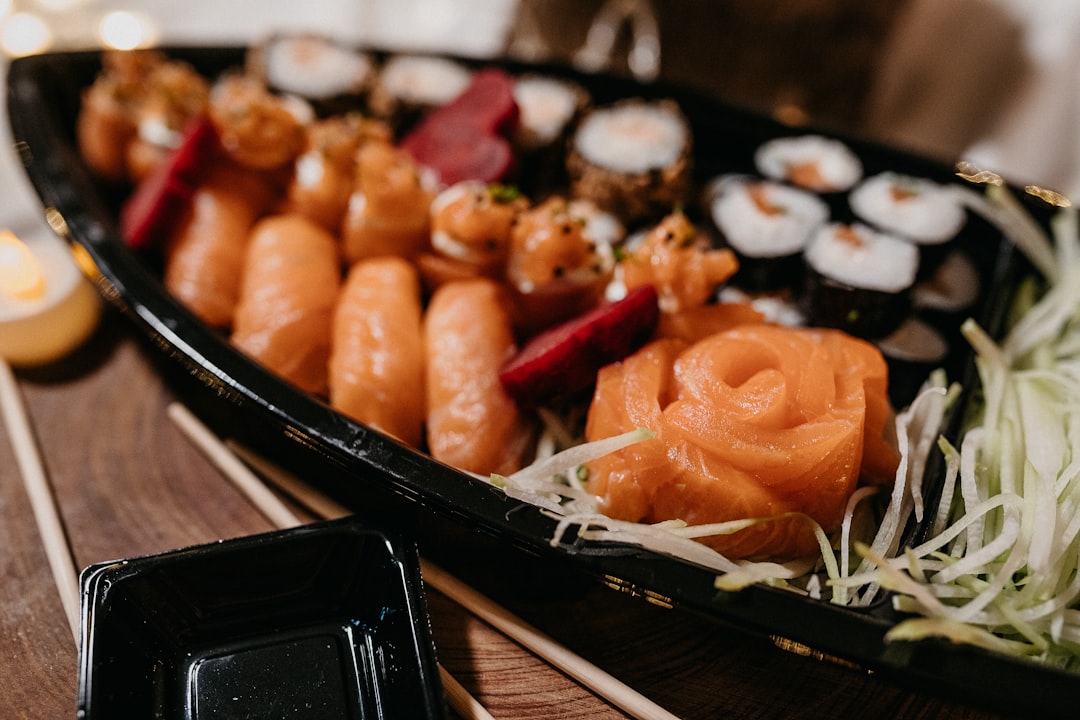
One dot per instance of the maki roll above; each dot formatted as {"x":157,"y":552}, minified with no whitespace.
{"x":332,"y":77}
{"x":858,"y":279}
{"x":767,"y":224}
{"x":632,"y":158}
{"x":812,"y":162}
{"x":407,"y":87}
{"x":549,"y":106}
{"x":952,"y":287}
{"x":548,"y":109}
{"x":916,"y":209}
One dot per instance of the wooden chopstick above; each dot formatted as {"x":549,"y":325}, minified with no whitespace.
{"x":42,"y":499}
{"x":274,"y":510}
{"x":588,"y":674}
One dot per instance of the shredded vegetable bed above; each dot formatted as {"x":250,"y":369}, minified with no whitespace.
{"x":553,"y":484}
{"x":1000,"y":569}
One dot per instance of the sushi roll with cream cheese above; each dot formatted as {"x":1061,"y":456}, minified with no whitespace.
{"x":632,"y":158}
{"x":332,"y":77}
{"x":812,"y":162}
{"x":767,"y":224}
{"x":858,"y":279}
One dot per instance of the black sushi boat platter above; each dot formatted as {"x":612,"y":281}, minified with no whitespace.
{"x":460,"y":520}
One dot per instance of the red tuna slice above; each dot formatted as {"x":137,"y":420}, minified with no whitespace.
{"x":565,"y":359}
{"x":460,"y":152}
{"x":487,"y":104}
{"x":160,"y":197}
{"x":465,"y":138}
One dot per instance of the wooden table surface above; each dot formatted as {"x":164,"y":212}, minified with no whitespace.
{"x":129,"y":483}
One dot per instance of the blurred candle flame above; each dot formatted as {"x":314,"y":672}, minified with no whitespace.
{"x":20,"y":273}
{"x":124,"y":30}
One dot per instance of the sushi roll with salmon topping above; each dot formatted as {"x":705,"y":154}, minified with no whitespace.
{"x":859,"y":280}
{"x":388,"y":210}
{"x":679,"y":261}
{"x":322,"y":176}
{"x":407,"y":87}
{"x":332,"y":77}
{"x":632,"y":158}
{"x":812,"y":162}
{"x":767,"y":224}
{"x":560,"y":262}
{"x":471,"y":224}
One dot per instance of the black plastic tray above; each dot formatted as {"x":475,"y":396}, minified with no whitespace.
{"x":326,"y":620}
{"x":355,"y":464}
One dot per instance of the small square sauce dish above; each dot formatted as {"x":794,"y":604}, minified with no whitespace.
{"x":322,"y":621}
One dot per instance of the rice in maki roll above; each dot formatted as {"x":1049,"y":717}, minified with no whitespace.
{"x":407,"y":87}
{"x":858,"y":279}
{"x":548,"y":109}
{"x":812,"y":162}
{"x":332,"y":77}
{"x":917,"y":209}
{"x":767,"y":224}
{"x":632,"y":158}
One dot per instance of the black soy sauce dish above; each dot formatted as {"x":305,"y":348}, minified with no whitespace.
{"x":323,"y":621}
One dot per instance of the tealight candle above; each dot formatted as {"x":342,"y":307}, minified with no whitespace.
{"x":47,"y":306}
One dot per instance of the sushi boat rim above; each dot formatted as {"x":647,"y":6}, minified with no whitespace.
{"x":240,"y":395}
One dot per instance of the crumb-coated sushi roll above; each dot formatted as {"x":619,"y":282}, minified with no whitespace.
{"x":858,"y":279}
{"x":333,"y":77}
{"x":767,"y":224}
{"x":408,"y":86}
{"x":812,"y":162}
{"x":633,"y":158}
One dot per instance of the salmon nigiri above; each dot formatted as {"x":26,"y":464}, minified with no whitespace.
{"x":376,"y":358}
{"x":472,"y":423}
{"x":289,"y":287}
{"x":204,"y":254}
{"x":753,"y":422}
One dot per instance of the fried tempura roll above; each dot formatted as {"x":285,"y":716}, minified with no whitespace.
{"x":205,"y":254}
{"x":377,"y":354}
{"x":472,"y":423}
{"x":290,"y":283}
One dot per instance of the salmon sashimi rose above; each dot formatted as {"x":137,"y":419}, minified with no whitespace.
{"x":753,"y":422}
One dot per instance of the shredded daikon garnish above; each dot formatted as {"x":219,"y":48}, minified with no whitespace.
{"x":552,"y":483}
{"x":1002,"y":569}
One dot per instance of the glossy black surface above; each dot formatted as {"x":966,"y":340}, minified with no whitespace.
{"x":466,"y":525}
{"x":327,"y":620}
